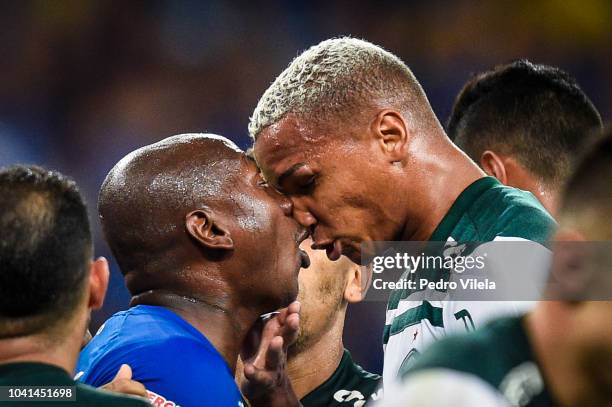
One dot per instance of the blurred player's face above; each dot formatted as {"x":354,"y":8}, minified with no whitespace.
{"x":322,"y":288}
{"x":339,"y":183}
{"x":266,"y":240}
{"x":592,"y":339}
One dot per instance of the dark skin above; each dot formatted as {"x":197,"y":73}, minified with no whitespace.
{"x":376,"y":178}
{"x":207,"y":264}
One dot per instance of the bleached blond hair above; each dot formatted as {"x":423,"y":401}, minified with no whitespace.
{"x":340,"y":76}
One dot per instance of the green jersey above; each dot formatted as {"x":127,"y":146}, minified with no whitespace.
{"x":494,"y":365}
{"x":485,"y":212}
{"x":43,"y":375}
{"x":349,"y":386}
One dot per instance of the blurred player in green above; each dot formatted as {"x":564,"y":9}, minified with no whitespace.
{"x":48,"y":287}
{"x":321,"y":370}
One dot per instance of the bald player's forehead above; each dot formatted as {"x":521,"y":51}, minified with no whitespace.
{"x":180,"y":152}
{"x":211,"y":141}
{"x":200,"y":148}
{"x":185,"y":169}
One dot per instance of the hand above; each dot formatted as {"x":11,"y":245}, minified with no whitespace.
{"x":264,"y":355}
{"x":123,"y":383}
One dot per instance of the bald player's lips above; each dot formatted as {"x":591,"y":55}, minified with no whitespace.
{"x":304,"y":259}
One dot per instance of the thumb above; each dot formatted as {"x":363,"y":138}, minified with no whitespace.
{"x":125,"y":372}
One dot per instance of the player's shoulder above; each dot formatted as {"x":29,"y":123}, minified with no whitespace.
{"x":363,"y":378}
{"x":144,"y":337}
{"x":146,"y":324}
{"x":488,"y":352}
{"x":349,"y":384}
{"x":511,"y":212}
{"x":152,"y":336}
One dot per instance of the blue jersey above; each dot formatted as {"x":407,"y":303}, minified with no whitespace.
{"x":175,"y":362}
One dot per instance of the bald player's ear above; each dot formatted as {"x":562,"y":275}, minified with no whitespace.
{"x":208,"y":231}
{"x":357,"y":283}
{"x":98,"y":282}
{"x":494,"y":165}
{"x":391,"y":132}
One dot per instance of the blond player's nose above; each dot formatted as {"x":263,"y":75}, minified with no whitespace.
{"x":304,"y":217}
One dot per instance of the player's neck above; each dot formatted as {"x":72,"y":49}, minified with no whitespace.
{"x":40,"y":348}
{"x":448,"y":172}
{"x":548,"y":340}
{"x":224,"y":326}
{"x":315,"y":364}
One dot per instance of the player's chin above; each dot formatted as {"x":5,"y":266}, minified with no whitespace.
{"x":290,"y":295}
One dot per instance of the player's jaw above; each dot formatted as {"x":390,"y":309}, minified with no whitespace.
{"x":289,"y":259}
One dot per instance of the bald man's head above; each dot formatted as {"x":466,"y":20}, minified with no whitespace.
{"x":195,"y":200}
{"x":144,"y":198}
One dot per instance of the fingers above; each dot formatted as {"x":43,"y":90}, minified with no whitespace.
{"x":259,"y":378}
{"x":265,"y":373}
{"x":290,"y":328}
{"x":124,"y":372}
{"x":252,"y":341}
{"x":275,"y":354}
{"x":123,"y":383}
{"x":293,"y":308}
{"x":270,"y":385}
{"x":284,"y":325}
{"x":292,"y":322}
{"x":102,"y":260}
{"x":129,"y":387}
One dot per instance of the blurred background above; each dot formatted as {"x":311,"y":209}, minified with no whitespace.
{"x":82,"y":82}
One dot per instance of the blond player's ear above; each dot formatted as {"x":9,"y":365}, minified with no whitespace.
{"x":98,"y":282}
{"x":391,"y":132}
{"x":357,"y":284}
